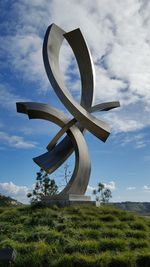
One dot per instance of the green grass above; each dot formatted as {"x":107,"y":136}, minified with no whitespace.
{"x":75,"y":236}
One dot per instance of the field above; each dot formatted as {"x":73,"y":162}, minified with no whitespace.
{"x":75,"y":236}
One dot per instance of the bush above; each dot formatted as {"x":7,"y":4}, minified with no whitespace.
{"x":122,"y":260}
{"x":109,"y":233}
{"x":136,"y":234}
{"x":143,"y":259}
{"x":107,"y":218}
{"x":10,"y":215}
{"x":78,"y":260}
{"x":20,"y":236}
{"x":118,"y":225}
{"x":81,"y":233}
{"x":139,"y":225}
{"x":63,"y":260}
{"x":115,"y":244}
{"x":137,"y":244}
{"x":25,"y":260}
{"x":126,"y":217}
{"x":85,"y":246}
{"x":95,"y":224}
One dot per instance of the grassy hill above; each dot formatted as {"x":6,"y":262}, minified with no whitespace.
{"x":142,"y":208}
{"x":8,"y":201}
{"x":75,"y":236}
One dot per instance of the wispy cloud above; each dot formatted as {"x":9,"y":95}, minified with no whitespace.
{"x":138,"y":140}
{"x":15,"y":191}
{"x":15,"y":141}
{"x":130,"y":188}
{"x":146,"y":188}
{"x":8,"y":99}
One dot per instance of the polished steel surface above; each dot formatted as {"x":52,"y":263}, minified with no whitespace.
{"x":74,"y":141}
{"x":60,"y":134}
{"x":53,"y":159}
{"x":51,"y":47}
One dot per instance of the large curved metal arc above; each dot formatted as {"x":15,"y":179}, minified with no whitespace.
{"x":53,"y":142}
{"x":42,"y":111}
{"x":51,"y":47}
{"x":80,"y":179}
{"x":76,"y":185}
{"x":104,"y":106}
{"x":48,"y":161}
{"x":85,"y":64}
{"x":52,"y":160}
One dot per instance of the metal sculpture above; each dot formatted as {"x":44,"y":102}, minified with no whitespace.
{"x":74,"y":141}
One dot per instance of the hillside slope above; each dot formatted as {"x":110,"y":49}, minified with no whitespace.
{"x":75,"y":236}
{"x":8,"y":201}
{"x":142,"y":208}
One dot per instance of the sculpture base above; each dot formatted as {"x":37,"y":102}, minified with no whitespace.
{"x":67,"y":200}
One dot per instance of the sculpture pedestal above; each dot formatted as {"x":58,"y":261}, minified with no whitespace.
{"x":67,"y":200}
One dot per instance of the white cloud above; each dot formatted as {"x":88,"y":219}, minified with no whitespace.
{"x":121,"y":122}
{"x":146,"y":188}
{"x":138,"y":140}
{"x":110,"y":185}
{"x":17,"y":192}
{"x":15,"y":141}
{"x":130,"y":188}
{"x":118,"y":35}
{"x":25,"y":56}
{"x":8,"y":99}
{"x":90,"y":190}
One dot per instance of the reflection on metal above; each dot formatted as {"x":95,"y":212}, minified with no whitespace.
{"x":74,"y":141}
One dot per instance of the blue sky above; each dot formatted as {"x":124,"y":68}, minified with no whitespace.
{"x":117,"y":33}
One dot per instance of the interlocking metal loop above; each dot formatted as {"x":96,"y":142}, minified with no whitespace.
{"x":74,"y":141}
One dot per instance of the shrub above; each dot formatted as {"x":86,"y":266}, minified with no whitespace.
{"x":139,"y":225}
{"x":85,"y":246}
{"x":136,"y":234}
{"x":82,"y":233}
{"x":114,"y":244}
{"x":126,"y":217}
{"x":63,"y":260}
{"x":85,"y":261}
{"x":143,"y":259}
{"x":108,"y":218}
{"x":95,"y":224}
{"x":10,"y":215}
{"x":26,"y":260}
{"x":109,"y":233}
{"x":122,"y":260}
{"x":118,"y":225}
{"x":78,"y":260}
{"x":20,"y":236}
{"x":136,"y":244}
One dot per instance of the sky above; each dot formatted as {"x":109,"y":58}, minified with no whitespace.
{"x":117,"y":33}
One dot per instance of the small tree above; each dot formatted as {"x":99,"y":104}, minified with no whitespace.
{"x":102,"y":194}
{"x":65,"y":174}
{"x":44,"y":187}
